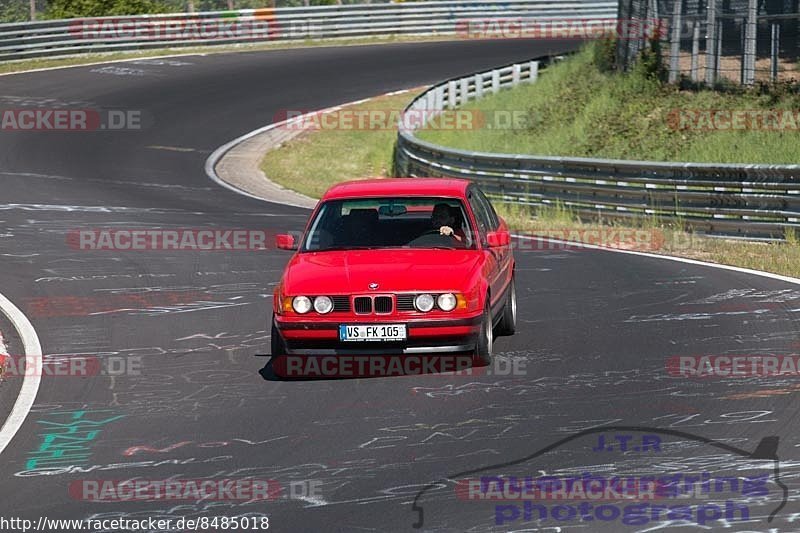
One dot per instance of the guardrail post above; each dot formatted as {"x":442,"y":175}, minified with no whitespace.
{"x":495,"y":81}
{"x":533,"y":74}
{"x":516,"y":69}
{"x":463,"y":96}
{"x":452,"y":100}
{"x":479,"y":86}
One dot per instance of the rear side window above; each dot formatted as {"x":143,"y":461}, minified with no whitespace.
{"x":494,"y":220}
{"x":481,"y":215}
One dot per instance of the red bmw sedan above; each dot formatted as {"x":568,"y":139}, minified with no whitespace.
{"x":397,"y":266}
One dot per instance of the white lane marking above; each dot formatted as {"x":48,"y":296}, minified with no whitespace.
{"x":316,"y":501}
{"x":172,"y":148}
{"x":31,"y":381}
{"x":742,"y":270}
{"x":130,"y":59}
{"x":218,"y":154}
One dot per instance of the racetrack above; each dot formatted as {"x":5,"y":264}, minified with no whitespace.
{"x":595,"y":327}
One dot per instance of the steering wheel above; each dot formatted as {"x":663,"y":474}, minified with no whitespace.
{"x":434,"y":238}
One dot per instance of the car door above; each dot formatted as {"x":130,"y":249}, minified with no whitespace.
{"x":505,"y":253}
{"x":492,"y":256}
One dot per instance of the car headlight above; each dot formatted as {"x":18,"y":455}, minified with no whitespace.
{"x":423,"y":302}
{"x":446,"y":301}
{"x":301,"y":304}
{"x":323,"y":304}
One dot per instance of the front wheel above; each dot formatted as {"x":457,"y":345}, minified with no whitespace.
{"x":508,"y":322}
{"x":483,"y":348}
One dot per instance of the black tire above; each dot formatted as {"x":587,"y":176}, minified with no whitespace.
{"x":508,"y":322}
{"x":278,"y":348}
{"x":483,"y":347}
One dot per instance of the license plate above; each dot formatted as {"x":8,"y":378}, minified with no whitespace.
{"x":379,"y":332}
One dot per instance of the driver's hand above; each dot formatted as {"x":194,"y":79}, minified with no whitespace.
{"x":445,"y":230}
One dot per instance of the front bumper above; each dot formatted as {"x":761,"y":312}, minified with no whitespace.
{"x":424,"y":336}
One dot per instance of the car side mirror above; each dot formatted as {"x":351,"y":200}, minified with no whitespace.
{"x":285,"y":242}
{"x":496,"y":239}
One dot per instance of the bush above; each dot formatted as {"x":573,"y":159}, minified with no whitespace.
{"x":604,"y":53}
{"x":60,"y":9}
{"x":14,"y":11}
{"x":651,"y":62}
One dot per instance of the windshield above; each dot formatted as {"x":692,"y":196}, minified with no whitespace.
{"x":389,"y":223}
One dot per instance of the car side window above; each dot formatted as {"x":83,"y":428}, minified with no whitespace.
{"x":494,"y":220}
{"x":481,"y":216}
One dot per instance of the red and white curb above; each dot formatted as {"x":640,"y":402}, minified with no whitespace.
{"x":3,"y":355}
{"x":219,"y":153}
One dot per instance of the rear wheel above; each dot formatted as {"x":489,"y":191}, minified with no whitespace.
{"x":483,"y":348}
{"x":508,"y":323}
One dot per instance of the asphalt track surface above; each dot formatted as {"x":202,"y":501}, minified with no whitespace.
{"x":595,"y":327}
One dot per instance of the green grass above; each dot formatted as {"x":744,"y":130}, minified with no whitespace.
{"x":574,"y":109}
{"x":315,"y":160}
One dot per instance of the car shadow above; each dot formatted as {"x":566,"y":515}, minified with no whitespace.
{"x":276,"y":370}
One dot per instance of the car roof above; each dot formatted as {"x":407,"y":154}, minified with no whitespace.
{"x":448,"y":187}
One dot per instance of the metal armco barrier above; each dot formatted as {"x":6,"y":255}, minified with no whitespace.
{"x":746,"y":200}
{"x":110,"y":34}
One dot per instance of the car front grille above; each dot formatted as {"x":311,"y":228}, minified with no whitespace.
{"x":363,"y":305}
{"x":405,"y":302}
{"x":341,"y":304}
{"x":383,"y":304}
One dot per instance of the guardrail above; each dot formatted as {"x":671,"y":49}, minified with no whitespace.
{"x":746,"y":200}
{"x":110,"y":34}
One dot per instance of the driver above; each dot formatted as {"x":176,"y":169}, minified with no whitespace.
{"x":443,"y":220}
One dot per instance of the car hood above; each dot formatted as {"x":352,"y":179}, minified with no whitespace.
{"x":348,"y":272}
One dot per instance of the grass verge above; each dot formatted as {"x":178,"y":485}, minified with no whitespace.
{"x":577,"y":109}
{"x":316,"y":160}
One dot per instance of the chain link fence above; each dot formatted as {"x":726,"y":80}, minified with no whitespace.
{"x":708,"y":41}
